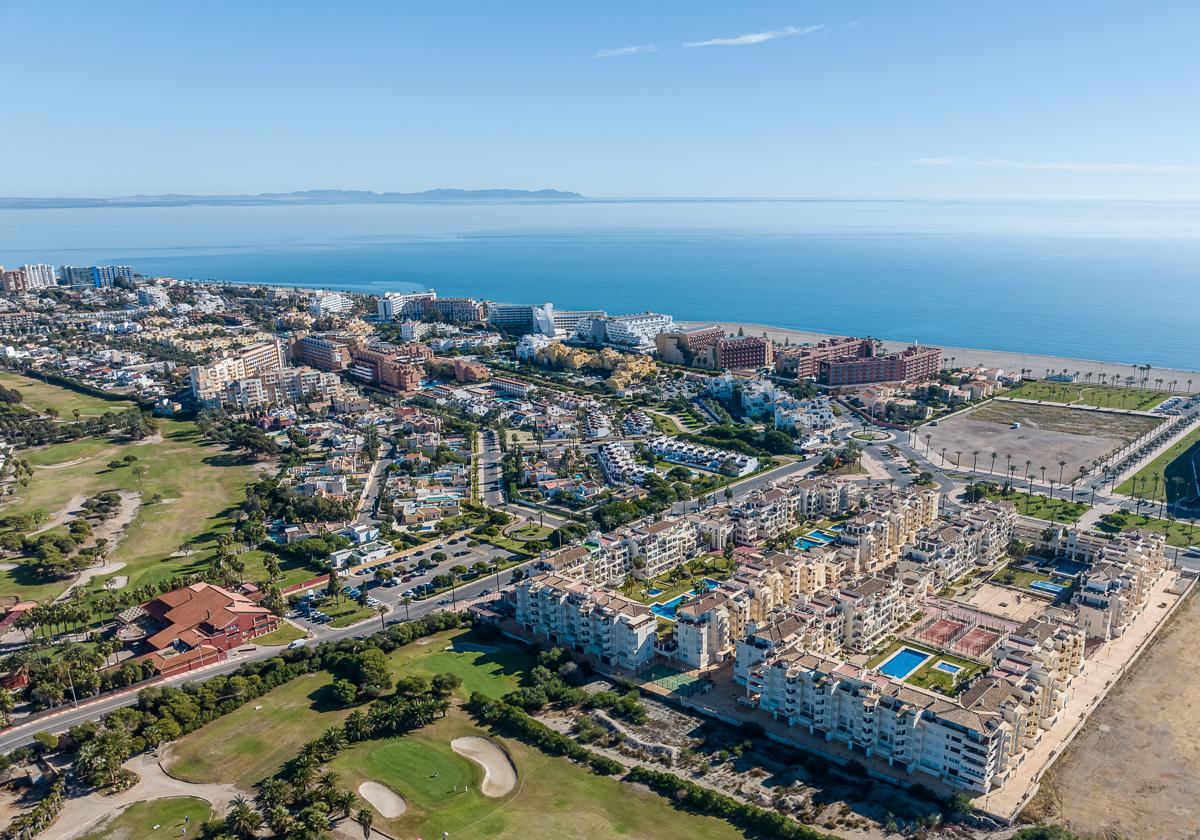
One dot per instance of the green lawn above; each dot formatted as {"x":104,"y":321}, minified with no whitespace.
{"x":39,"y":396}
{"x":1021,"y":578}
{"x":1102,"y":396}
{"x":1174,"y":463}
{"x":1180,"y":533}
{"x":1058,"y":509}
{"x":200,"y":485}
{"x":927,"y":676}
{"x":139,"y":820}
{"x":246,"y":745}
{"x":284,"y":634}
{"x":554,"y":798}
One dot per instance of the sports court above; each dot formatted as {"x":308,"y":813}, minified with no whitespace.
{"x":675,"y":681}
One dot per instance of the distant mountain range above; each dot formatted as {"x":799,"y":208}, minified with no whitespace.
{"x":301,"y":197}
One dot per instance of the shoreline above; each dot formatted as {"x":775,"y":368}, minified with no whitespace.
{"x":1005,"y":359}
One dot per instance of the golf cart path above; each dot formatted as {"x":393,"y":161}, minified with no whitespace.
{"x":84,"y":812}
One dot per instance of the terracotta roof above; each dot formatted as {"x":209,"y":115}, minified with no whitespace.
{"x":185,"y":613}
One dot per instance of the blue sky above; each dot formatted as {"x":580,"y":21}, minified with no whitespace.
{"x":928,"y":99}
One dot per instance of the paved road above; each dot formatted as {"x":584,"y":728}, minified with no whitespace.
{"x":23,"y":734}
{"x":366,"y":505}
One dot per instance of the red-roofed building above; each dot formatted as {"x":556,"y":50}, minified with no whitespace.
{"x":206,"y":615}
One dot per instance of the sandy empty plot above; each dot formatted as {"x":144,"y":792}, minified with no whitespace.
{"x":1132,"y":771}
{"x":1048,"y":434}
{"x":383,"y":799}
{"x":499,"y":775}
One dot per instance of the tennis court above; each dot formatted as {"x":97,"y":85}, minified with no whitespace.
{"x":672,"y":680}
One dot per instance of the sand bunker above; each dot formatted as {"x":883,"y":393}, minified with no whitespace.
{"x":383,"y":799}
{"x":499,"y":775}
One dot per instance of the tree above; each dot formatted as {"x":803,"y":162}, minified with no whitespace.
{"x":344,"y":691}
{"x":243,"y":820}
{"x":365,"y":818}
{"x":370,"y":672}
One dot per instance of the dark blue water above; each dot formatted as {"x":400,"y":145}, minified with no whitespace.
{"x":1117,"y":282}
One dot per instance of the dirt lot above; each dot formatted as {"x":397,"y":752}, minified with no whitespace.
{"x":1047,"y":435}
{"x":1132,"y":772}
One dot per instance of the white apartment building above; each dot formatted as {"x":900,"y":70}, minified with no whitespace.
{"x":154,"y":297}
{"x":657,"y":547}
{"x":330,"y":303}
{"x":281,"y":387}
{"x":39,"y":276}
{"x":637,"y":330}
{"x":704,"y":457}
{"x":707,"y":627}
{"x":566,"y":611}
{"x":393,"y":305}
{"x":619,"y":466}
{"x":963,"y":746}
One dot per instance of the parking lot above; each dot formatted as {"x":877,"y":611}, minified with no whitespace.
{"x":408,"y":579}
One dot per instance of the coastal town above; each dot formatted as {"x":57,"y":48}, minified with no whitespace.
{"x":815,"y":586}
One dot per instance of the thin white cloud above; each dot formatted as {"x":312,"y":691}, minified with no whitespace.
{"x":756,"y":37}
{"x":1065,"y":165}
{"x":617,"y":52}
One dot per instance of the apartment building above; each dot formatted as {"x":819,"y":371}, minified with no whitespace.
{"x":913,"y":364}
{"x":964,"y":746}
{"x":634,"y":331}
{"x":208,"y":381}
{"x":760,"y":515}
{"x":154,"y":297}
{"x":804,"y":361}
{"x":871,"y":608}
{"x":287,"y":386}
{"x":815,"y":415}
{"x":105,"y":276}
{"x":394,"y":305}
{"x":708,"y":458}
{"x":386,"y":366}
{"x":330,"y":303}
{"x":619,"y":465}
{"x":567,"y":611}
{"x":467,"y":371}
{"x":688,"y":346}
{"x":706,"y":628}
{"x":979,"y":536}
{"x":322,"y":353}
{"x":521,"y":318}
{"x":657,"y":547}
{"x":746,"y":352}
{"x":1110,"y":596}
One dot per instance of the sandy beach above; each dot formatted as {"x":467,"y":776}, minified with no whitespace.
{"x":962,"y":356}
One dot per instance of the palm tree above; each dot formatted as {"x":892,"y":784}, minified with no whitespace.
{"x":974,"y":459}
{"x":242,"y":819}
{"x":1061,"y":466}
{"x":995,"y":455}
{"x":365,"y":818}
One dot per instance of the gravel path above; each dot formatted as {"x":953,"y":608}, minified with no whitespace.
{"x":82,"y":813}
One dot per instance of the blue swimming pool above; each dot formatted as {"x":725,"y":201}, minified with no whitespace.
{"x":948,"y":667}
{"x":902,"y":663}
{"x":1046,"y":586}
{"x":804,"y":543}
{"x":654,"y":593}
{"x":666,"y":609}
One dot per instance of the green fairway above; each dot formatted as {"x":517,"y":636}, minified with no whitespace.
{"x":1076,"y":393}
{"x":40,"y":396}
{"x":139,"y":820}
{"x":200,"y":485}
{"x":554,"y":798}
{"x":1174,"y":470}
{"x":248,"y":745}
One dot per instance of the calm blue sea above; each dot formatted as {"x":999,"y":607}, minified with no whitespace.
{"x":1111,"y":281}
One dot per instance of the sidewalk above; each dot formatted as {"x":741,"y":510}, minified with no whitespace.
{"x":1103,"y":669}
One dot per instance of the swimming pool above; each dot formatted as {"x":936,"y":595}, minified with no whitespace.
{"x":804,"y":543}
{"x":666,"y":609}
{"x":948,"y":667}
{"x":654,"y":593}
{"x":1047,"y":586}
{"x":903,"y":662}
